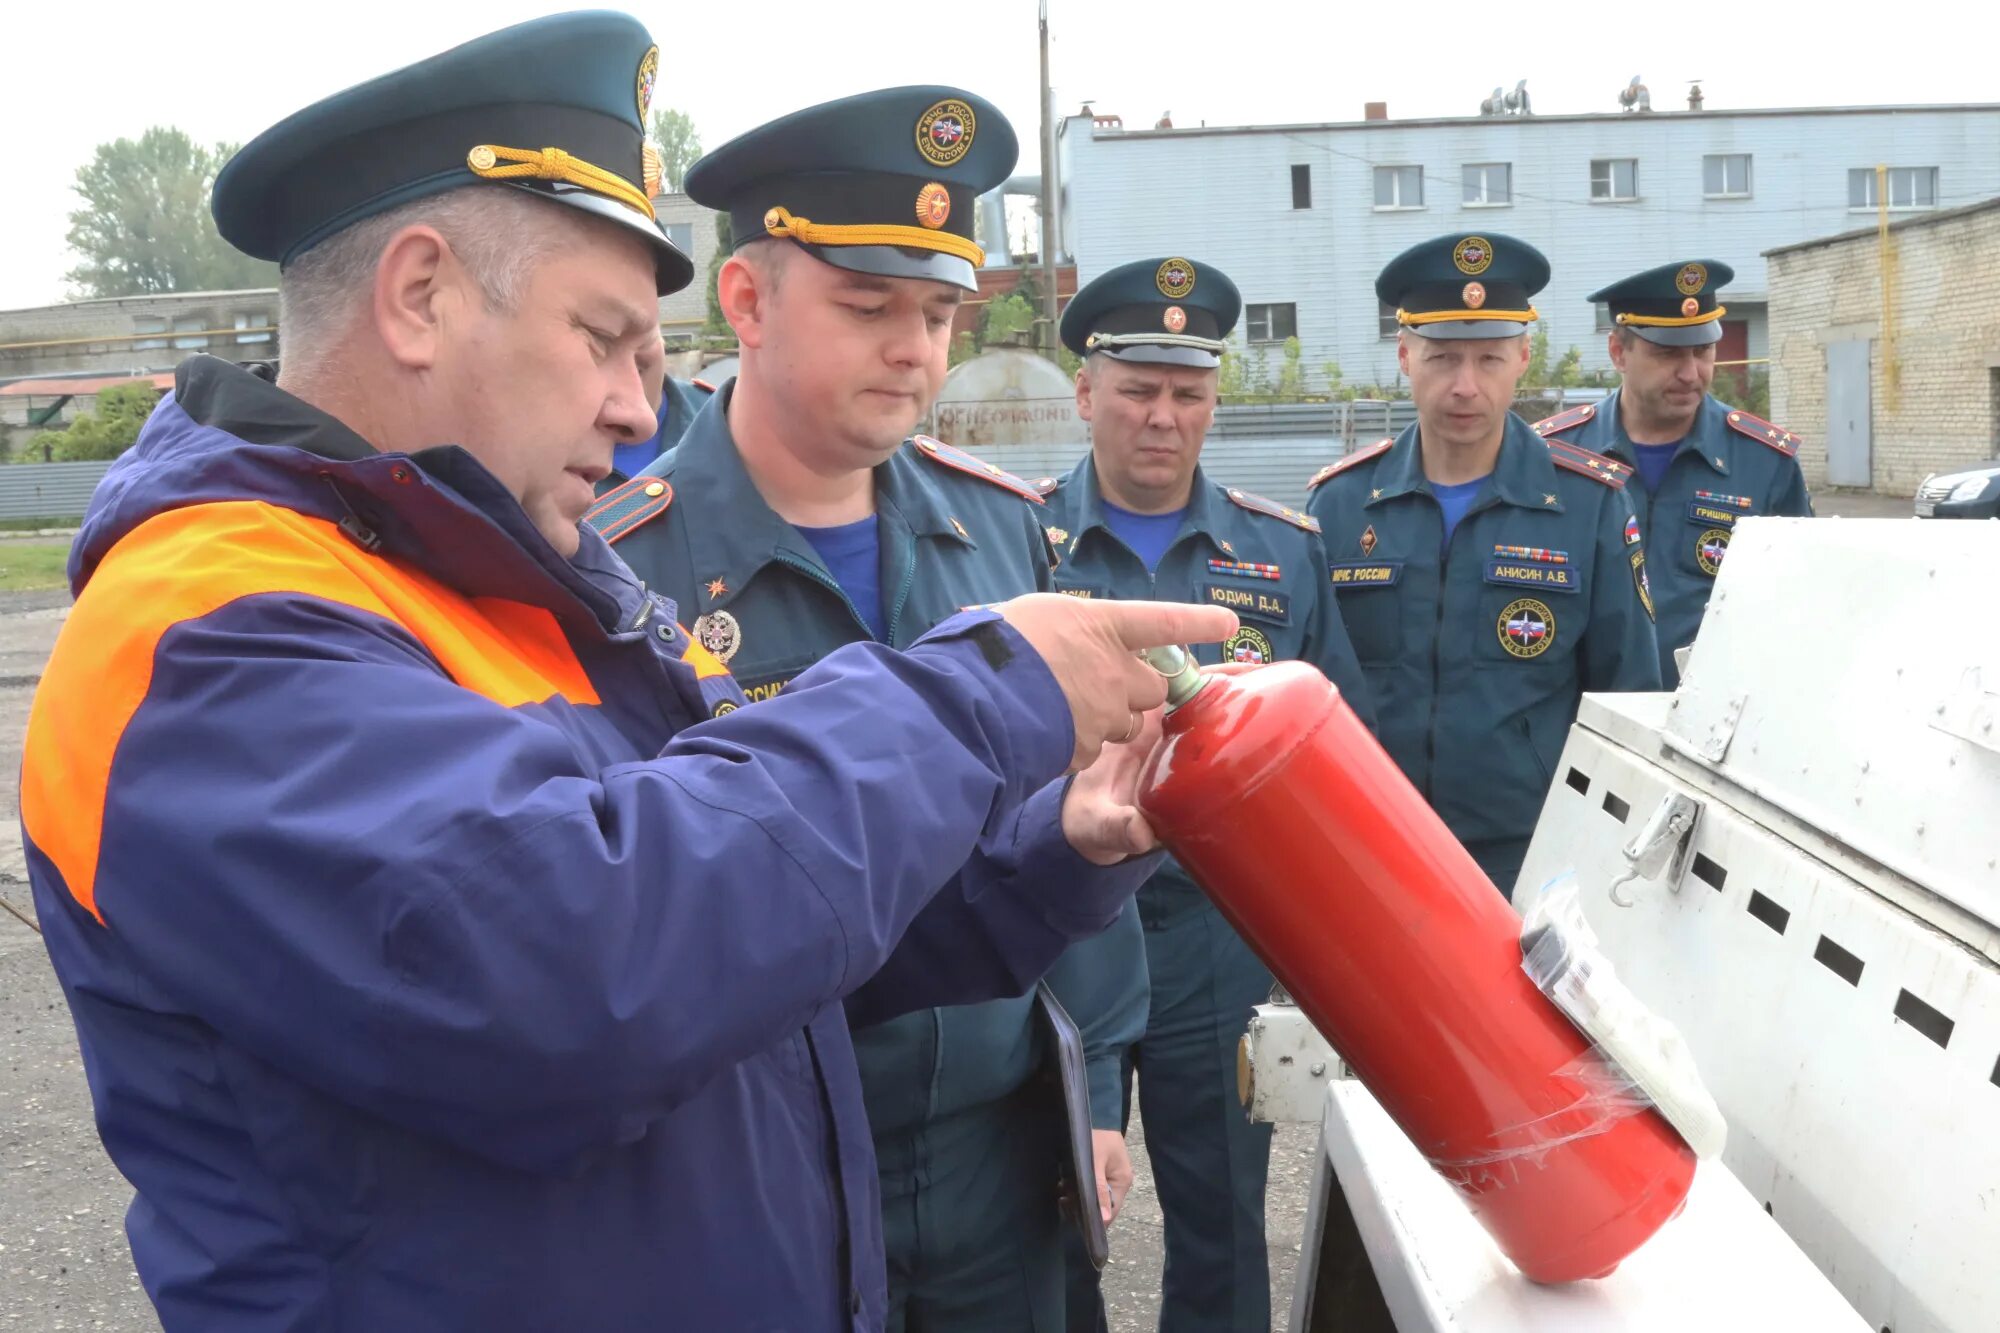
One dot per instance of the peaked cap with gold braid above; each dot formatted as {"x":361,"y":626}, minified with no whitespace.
{"x":556,"y":107}
{"x":885,"y":182}
{"x":1674,"y":305}
{"x":1465,"y":285}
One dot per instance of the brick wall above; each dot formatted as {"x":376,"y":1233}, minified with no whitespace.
{"x":1941,"y":413}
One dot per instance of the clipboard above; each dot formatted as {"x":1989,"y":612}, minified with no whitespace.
{"x":1068,"y":1083}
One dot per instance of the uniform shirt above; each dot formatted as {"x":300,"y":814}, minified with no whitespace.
{"x":679,"y":401}
{"x":951,"y":533}
{"x":1477,"y":649}
{"x":1729,"y":467}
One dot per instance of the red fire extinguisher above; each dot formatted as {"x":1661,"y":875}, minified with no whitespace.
{"x":1331,"y":866}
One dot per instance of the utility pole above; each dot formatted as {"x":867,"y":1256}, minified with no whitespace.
{"x":1051,"y":307}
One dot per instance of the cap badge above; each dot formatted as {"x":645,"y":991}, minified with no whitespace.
{"x":649,"y":73}
{"x":944,"y":132}
{"x":1690,"y":307}
{"x":1175,"y":279}
{"x":652,"y":169}
{"x":1475,"y":295}
{"x":1691,"y":279}
{"x":1472,"y":255}
{"x":1175,"y":319}
{"x":933,"y":205}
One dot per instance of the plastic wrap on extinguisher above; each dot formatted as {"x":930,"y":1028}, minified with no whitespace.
{"x":1309,"y":839}
{"x":1637,"y":1059}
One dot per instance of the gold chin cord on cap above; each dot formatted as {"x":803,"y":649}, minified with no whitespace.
{"x":553,"y":164}
{"x":1674,"y":321}
{"x":780,"y":222}
{"x":1528,"y":316}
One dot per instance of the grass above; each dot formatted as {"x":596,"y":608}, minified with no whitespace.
{"x":29,"y":566}
{"x":35,"y":524}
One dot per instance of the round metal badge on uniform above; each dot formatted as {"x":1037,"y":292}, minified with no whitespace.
{"x":718,"y":632}
{"x":1247,"y":644}
{"x":1175,"y":279}
{"x":1174,"y":319}
{"x":1474,"y":295}
{"x":1709,"y":548}
{"x":944,"y":132}
{"x":1473,"y":255}
{"x":1690,"y":308}
{"x":933,"y":205}
{"x":1527,"y":628}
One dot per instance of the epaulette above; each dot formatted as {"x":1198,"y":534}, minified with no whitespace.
{"x":702,"y":384}
{"x":1340,"y":465}
{"x":1046,"y":486}
{"x":1257,"y":504}
{"x":621,"y":510}
{"x":1575,"y":458}
{"x":957,"y":459}
{"x":1762,"y":431}
{"x":1562,"y":421}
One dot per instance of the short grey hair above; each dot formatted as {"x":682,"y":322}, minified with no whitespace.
{"x":498,"y":234}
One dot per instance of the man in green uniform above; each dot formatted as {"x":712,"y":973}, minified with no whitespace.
{"x":1701,"y":463}
{"x":1488,"y":577}
{"x":1137,"y":518}
{"x":795,"y":516}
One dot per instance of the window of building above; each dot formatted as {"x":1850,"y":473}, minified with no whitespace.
{"x":148,"y":324}
{"x":252,"y":327}
{"x":1302,"y":186}
{"x":682,"y":235}
{"x":188,"y":331}
{"x":1909,"y":187}
{"x":1604,"y":322}
{"x":1614,"y":178}
{"x":1725,"y":176}
{"x":1271,"y":323}
{"x":1399,"y":187}
{"x":1386,"y":323}
{"x":1488,"y":184}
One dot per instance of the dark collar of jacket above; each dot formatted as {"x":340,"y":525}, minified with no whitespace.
{"x":1202,"y":516}
{"x":1708,"y":439}
{"x":462,"y":526}
{"x":726,"y":518}
{"x":1522,"y":475}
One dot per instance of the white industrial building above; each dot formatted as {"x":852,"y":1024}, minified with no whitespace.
{"x":1304,"y":216}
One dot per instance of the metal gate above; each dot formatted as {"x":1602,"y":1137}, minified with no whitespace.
{"x":1847,"y":414}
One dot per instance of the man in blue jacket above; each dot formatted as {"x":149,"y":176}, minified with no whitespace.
{"x":445,"y":949}
{"x":797,"y":516}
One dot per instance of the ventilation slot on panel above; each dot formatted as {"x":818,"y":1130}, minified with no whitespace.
{"x":1767,"y":911}
{"x":1708,"y":872}
{"x":1615,"y":807}
{"x":1579,"y":780}
{"x":1923,"y":1018}
{"x":1838,"y":961}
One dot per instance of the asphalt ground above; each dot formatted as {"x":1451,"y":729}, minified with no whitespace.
{"x":63,"y":1258}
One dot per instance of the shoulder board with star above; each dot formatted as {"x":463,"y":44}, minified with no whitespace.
{"x":621,"y":511}
{"x":1563,"y":421}
{"x":1257,"y":504}
{"x":1341,"y":465}
{"x":951,"y":456}
{"x":1575,"y":458}
{"x":1762,"y":431}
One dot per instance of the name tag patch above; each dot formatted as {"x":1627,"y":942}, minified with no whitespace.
{"x":1531,"y":567}
{"x":1080,"y":592}
{"x":1712,"y":509}
{"x":1361,"y":574}
{"x":768,"y":689}
{"x":1272,"y":606}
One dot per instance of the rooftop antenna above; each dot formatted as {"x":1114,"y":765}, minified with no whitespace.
{"x":1495,"y":105}
{"x":1634,"y":96}
{"x":1517,"y":101}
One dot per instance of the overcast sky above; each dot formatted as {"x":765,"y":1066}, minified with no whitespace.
{"x":78,"y":74}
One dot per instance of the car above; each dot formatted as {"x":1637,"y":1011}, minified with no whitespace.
{"x":1972,"y":492}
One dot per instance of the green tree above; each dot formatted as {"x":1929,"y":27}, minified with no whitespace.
{"x":715,"y":329}
{"x":963,"y":348}
{"x":105,"y":433}
{"x":1537,"y":374}
{"x":1291,"y":385}
{"x":145,"y":224}
{"x":1006,"y":318}
{"x":1569,"y":370}
{"x":680,"y":145}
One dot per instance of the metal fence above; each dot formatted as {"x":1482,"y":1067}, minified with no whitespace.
{"x":48,"y":490}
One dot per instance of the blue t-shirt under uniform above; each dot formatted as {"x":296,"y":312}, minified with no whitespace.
{"x":1653,"y":460}
{"x":1455,"y":500}
{"x":852,"y":553}
{"x":1149,"y":535}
